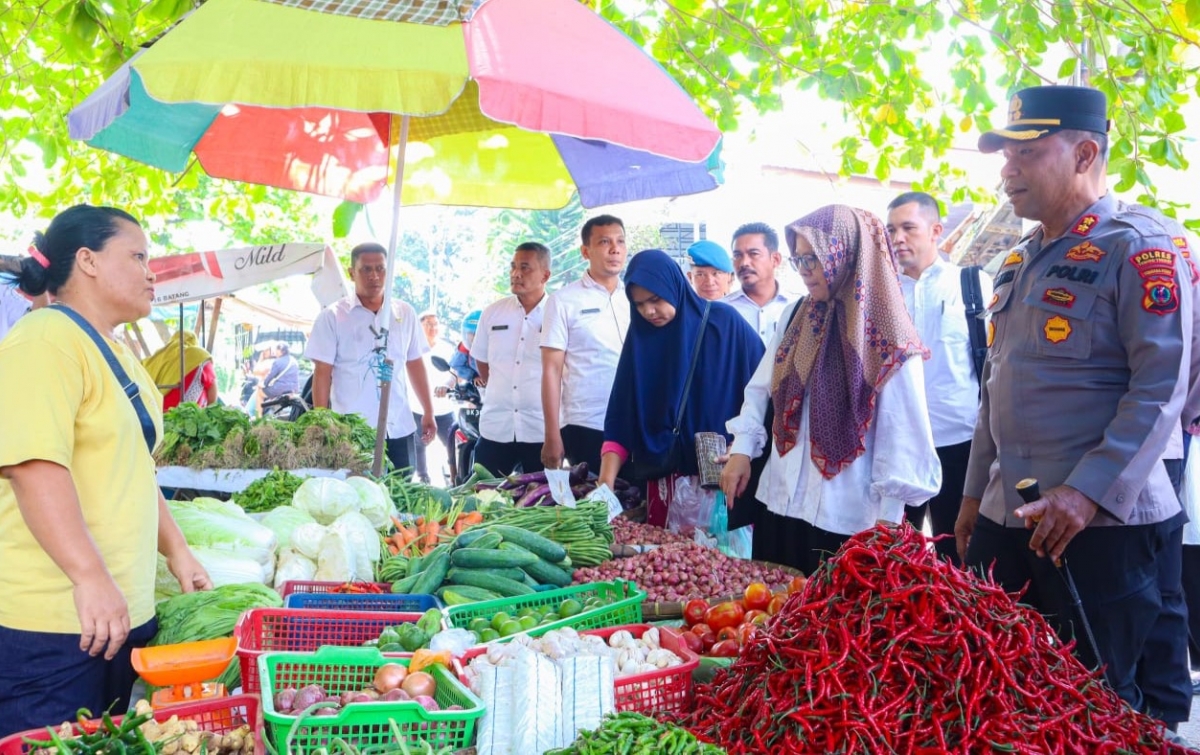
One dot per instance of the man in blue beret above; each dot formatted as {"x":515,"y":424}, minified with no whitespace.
{"x":1083,"y":389}
{"x":711,"y":272}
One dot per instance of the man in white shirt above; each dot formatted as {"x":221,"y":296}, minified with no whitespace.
{"x":933,"y":296}
{"x":507,"y":349}
{"x":756,"y":257}
{"x":342,"y":344}
{"x":443,"y":405}
{"x":582,"y":335}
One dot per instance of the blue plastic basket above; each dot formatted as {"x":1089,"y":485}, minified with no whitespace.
{"x":388,"y":602}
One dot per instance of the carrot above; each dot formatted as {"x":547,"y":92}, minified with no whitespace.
{"x":392,"y":549}
{"x":431,"y":534}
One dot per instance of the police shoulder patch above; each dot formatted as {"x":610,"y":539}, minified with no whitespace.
{"x":1182,"y":245}
{"x":1160,"y":290}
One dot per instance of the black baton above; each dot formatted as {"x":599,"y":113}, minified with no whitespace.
{"x":1029,"y":491}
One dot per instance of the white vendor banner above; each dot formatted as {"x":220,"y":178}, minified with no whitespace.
{"x":203,"y":275}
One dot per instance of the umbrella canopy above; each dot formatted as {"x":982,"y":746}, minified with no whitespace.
{"x":512,"y":103}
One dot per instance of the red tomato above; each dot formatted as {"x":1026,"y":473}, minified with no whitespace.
{"x":727,"y":633}
{"x":796,"y":585}
{"x":724,"y":649}
{"x":701,"y":629}
{"x":775,"y":604}
{"x":745,"y":634}
{"x":693,"y":642}
{"x":728,"y":614}
{"x":755,"y":617}
{"x":693,"y":612}
{"x":757,"y":596}
{"x":707,"y":640}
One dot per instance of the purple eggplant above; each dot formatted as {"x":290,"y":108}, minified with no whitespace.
{"x":529,"y":498}
{"x":619,"y":485}
{"x":579,"y":473}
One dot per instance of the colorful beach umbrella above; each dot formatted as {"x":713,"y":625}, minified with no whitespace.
{"x":496,"y":103}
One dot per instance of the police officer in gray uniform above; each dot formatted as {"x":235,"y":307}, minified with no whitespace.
{"x":1090,"y":331}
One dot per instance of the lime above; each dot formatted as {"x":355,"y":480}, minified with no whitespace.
{"x":499,"y":619}
{"x":488,"y":635}
{"x":510,"y":627}
{"x":478,"y":624}
{"x":550,"y":617}
{"x":527,"y":622}
{"x":526,"y":611}
{"x":569,"y":607}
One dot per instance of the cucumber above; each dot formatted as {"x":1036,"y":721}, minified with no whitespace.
{"x":476,"y":558}
{"x":511,"y":572}
{"x":529,"y":581}
{"x":456,"y":595}
{"x":490,"y":541}
{"x":547,"y":573}
{"x":544,"y":547}
{"x":433,"y":575}
{"x":506,"y":587}
{"x":421,"y":563}
{"x":404,"y":586}
{"x":466,"y":538}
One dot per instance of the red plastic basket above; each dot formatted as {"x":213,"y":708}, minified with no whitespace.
{"x":298,"y":630}
{"x":296,"y":586}
{"x":219,"y":715}
{"x":666,"y":690}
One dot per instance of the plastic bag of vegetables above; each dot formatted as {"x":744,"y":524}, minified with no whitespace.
{"x":362,"y":541}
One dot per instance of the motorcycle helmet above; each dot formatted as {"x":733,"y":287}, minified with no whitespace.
{"x":470,"y":325}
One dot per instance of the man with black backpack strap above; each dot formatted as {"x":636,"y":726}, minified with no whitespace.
{"x":946,"y":303}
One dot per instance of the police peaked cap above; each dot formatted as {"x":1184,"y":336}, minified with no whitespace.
{"x":1040,"y":111}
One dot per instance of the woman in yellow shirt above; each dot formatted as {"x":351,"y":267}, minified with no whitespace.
{"x":81,"y":514}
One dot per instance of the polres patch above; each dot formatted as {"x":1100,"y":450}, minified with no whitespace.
{"x":1156,"y":267}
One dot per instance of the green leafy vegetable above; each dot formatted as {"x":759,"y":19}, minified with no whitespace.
{"x":270,"y":492}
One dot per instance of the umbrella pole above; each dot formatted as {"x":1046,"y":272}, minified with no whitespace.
{"x":385,"y":315}
{"x":182,"y":362}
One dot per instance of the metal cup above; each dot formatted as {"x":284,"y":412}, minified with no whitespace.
{"x":708,"y":447}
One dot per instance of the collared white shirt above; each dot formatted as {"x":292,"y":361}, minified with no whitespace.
{"x":589,"y":324}
{"x":443,"y":405}
{"x":509,"y":341}
{"x":763,"y":319}
{"x":342,"y":337}
{"x":899,"y":467}
{"x":935,"y":303}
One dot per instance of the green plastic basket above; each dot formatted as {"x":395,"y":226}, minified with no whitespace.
{"x":340,"y":669}
{"x":623,"y":606}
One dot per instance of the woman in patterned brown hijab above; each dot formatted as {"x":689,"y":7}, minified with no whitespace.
{"x":850,"y":441}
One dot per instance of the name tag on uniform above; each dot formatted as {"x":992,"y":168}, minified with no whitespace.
{"x":592,"y":311}
{"x":499,"y":327}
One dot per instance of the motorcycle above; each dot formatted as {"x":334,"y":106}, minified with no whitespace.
{"x":465,"y":430}
{"x":287,"y":407}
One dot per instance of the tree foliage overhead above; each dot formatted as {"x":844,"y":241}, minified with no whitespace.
{"x":734,"y":56}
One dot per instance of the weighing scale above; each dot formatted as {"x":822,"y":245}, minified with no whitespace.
{"x":182,"y":672}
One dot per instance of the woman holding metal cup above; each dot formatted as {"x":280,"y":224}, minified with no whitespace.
{"x":848,"y":440}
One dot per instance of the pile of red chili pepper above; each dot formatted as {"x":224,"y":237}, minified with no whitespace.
{"x":890,"y":650}
{"x":361,"y":588}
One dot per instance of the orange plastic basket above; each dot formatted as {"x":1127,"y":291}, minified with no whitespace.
{"x":298,"y":630}
{"x":219,"y":715}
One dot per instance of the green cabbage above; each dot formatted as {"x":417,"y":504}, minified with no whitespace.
{"x":206,"y":528}
{"x":283,"y":521}
{"x":213,"y":506}
{"x":373,"y":502}
{"x":325,"y":499}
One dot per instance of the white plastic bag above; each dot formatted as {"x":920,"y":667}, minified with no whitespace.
{"x":1191,"y":496}
{"x":588,"y":693}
